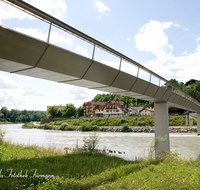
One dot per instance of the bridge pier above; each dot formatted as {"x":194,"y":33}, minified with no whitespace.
{"x":198,"y":124}
{"x":161,"y":128}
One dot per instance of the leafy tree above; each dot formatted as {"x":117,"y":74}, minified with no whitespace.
{"x":14,"y":115}
{"x":5,"y":111}
{"x":80,"y":111}
{"x":69,"y":110}
{"x":53,"y":110}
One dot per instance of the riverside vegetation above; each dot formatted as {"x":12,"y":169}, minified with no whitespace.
{"x":86,"y":169}
{"x":129,"y":124}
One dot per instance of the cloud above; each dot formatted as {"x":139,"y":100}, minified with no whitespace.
{"x":54,"y":36}
{"x":101,"y":7}
{"x":198,"y":39}
{"x":73,"y":92}
{"x":151,"y":38}
{"x":107,"y":41}
{"x":56,"y":8}
{"x":28,"y":90}
{"x":128,"y":39}
{"x":7,"y":83}
{"x":82,"y":51}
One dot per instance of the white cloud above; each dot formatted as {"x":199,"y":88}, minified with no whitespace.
{"x":73,"y":92}
{"x":28,"y":90}
{"x":128,"y":39}
{"x":7,"y":83}
{"x":185,"y":52}
{"x":56,"y":8}
{"x":198,"y":39}
{"x":27,"y":78}
{"x":151,"y":38}
{"x":108,"y":41}
{"x":101,"y":7}
{"x":54,"y":36}
{"x":82,"y":51}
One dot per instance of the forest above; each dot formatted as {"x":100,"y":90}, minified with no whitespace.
{"x":16,"y":116}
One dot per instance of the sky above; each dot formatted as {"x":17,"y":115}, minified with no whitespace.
{"x":162,"y":35}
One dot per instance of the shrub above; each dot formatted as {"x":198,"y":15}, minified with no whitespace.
{"x":124,"y":127}
{"x":140,"y":123}
{"x":46,"y":126}
{"x":2,"y":134}
{"x":88,"y":127}
{"x":91,"y":143}
{"x":63,"y":125}
{"x":69,"y":128}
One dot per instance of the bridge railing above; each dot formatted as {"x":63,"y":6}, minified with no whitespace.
{"x":31,"y":12}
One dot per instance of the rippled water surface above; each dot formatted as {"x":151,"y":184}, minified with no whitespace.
{"x":135,"y":145}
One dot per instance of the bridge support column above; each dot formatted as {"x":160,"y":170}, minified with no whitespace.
{"x":161,"y":128}
{"x":198,"y":124}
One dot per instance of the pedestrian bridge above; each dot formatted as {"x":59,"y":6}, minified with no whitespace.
{"x":25,"y":55}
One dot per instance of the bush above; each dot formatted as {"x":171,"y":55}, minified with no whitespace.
{"x":88,"y":127}
{"x":69,"y":128}
{"x":91,"y":143}
{"x":124,"y":127}
{"x":63,"y":125}
{"x":46,"y":126}
{"x":2,"y":133}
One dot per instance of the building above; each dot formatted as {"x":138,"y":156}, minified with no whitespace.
{"x":173,"y":110}
{"x":192,"y":81}
{"x":135,"y":110}
{"x":105,"y":109}
{"x":89,"y":107}
{"x":147,"y":111}
{"x":59,"y":107}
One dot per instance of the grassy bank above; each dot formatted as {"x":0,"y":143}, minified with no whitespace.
{"x":92,"y":170}
{"x":130,"y":124}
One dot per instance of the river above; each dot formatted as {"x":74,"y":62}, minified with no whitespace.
{"x":135,"y":145}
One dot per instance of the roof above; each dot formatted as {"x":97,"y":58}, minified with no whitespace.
{"x":135,"y":108}
{"x":149,"y":109}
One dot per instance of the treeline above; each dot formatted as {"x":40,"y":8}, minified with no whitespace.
{"x":17,"y":116}
{"x":127,"y":100}
{"x":68,"y":111}
{"x":192,"y":89}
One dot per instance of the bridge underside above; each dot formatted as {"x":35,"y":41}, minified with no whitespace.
{"x":28,"y":56}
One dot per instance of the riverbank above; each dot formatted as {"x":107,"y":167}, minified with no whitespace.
{"x":34,"y":167}
{"x":124,"y":128}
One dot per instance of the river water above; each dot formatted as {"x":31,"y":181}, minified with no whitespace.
{"x":135,"y":145}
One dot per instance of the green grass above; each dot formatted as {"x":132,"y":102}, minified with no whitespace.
{"x":93,"y":170}
{"x":49,"y":162}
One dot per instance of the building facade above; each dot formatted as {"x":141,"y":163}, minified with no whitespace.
{"x":105,"y":109}
{"x":147,"y":112}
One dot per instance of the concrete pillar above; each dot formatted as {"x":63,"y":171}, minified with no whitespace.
{"x":161,"y":127}
{"x":198,"y":124}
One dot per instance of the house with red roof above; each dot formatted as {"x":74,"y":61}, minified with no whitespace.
{"x":105,"y":109}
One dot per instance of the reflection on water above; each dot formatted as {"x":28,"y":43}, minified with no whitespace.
{"x":135,"y":145}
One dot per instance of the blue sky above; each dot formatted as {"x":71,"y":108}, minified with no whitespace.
{"x":164,"y":36}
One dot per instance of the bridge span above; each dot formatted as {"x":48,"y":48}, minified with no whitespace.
{"x":25,"y":55}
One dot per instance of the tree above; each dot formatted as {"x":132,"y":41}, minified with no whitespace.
{"x":14,"y":115}
{"x":53,"y":110}
{"x":69,"y":110}
{"x":5,"y":111}
{"x":80,"y":111}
